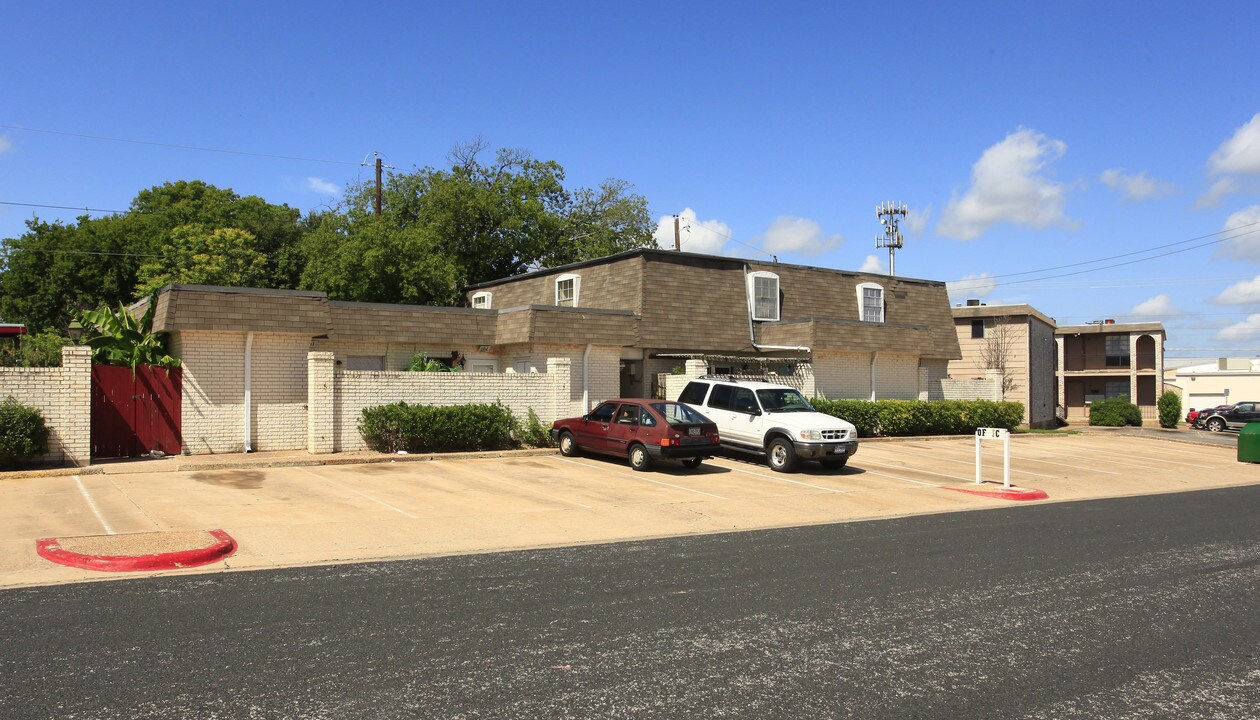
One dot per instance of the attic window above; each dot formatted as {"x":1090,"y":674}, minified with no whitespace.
{"x":567,"y":287}
{"x":870,"y":298}
{"x":763,"y":295}
{"x":481,"y":300}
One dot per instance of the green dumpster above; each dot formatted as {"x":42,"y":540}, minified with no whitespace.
{"x":1249,"y":443}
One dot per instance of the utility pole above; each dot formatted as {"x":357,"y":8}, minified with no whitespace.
{"x":677,"y":237}
{"x":889,"y":214}
{"x":376,"y":198}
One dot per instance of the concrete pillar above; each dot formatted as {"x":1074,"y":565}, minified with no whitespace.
{"x":1133,"y":368}
{"x":76,"y":404}
{"x":320,"y":402}
{"x":1060,"y":381}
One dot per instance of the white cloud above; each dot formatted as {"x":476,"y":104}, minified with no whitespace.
{"x":322,"y":186}
{"x":708,"y":237}
{"x":1239,"y":154}
{"x":1137,"y":187}
{"x":873,"y":264}
{"x":1246,"y":330}
{"x":1219,"y":190}
{"x":6,"y":145}
{"x":789,"y":234}
{"x":917,"y":221}
{"x":1242,"y":236}
{"x":1156,"y":307}
{"x":979,"y":285}
{"x":1008,"y":184}
{"x":1246,"y":292}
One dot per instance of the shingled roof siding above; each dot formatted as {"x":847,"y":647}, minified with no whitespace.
{"x":582,"y":328}
{"x":513,"y":327}
{"x":409,"y":323}
{"x":197,"y":309}
{"x":613,"y":286}
{"x":692,"y":303}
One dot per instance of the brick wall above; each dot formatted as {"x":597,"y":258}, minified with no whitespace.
{"x":63,"y":395}
{"x":842,"y":375}
{"x":352,"y":391}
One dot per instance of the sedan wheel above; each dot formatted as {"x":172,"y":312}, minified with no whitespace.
{"x":568,"y":446}
{"x":639,"y":458}
{"x":1216,"y":424}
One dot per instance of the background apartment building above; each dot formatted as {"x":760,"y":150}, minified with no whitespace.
{"x":1016,"y":341}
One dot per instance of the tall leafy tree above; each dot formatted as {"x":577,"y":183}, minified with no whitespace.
{"x":486,"y":220}
{"x":199,"y":255}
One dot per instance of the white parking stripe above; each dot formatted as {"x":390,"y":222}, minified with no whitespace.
{"x":639,"y":476}
{"x":898,"y":477}
{"x":781,"y":479}
{"x":464,"y":468}
{"x":925,"y":472}
{"x":1013,"y":460}
{"x":92,"y":504}
{"x":360,"y":493}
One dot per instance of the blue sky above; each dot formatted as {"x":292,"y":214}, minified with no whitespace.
{"x":1022,"y":138}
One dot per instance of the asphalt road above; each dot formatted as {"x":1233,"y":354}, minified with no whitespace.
{"x":1127,"y":608}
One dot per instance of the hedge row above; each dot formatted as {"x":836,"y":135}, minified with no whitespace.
{"x":1115,"y":412}
{"x":428,"y":428}
{"x":918,"y":417}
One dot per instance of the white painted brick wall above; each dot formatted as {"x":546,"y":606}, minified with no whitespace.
{"x":63,"y":395}
{"x":896,"y":377}
{"x":842,"y":375}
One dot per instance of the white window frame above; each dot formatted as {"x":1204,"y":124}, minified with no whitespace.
{"x":752,"y":295}
{"x":861,"y":300}
{"x":577,"y":287}
{"x":483,"y":295}
{"x":471,"y":364}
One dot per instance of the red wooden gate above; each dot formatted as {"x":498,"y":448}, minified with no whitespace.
{"x":135,"y":414}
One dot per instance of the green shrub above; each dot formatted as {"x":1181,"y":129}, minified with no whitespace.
{"x":23,"y":433}
{"x":37,"y":350}
{"x":1115,"y":412}
{"x":533,"y":433}
{"x":1169,"y":409}
{"x":424,"y":363}
{"x":428,"y":428}
{"x":890,"y":418}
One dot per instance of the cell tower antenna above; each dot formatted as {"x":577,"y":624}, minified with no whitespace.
{"x":889,"y":215}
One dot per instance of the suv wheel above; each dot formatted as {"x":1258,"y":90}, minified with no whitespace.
{"x":834,"y":464}
{"x":568,"y":446}
{"x":1215,"y":424}
{"x":639,"y":458}
{"x":781,"y":455}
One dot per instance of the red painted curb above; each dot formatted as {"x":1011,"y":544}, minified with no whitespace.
{"x":1012,"y":494}
{"x":50,"y":549}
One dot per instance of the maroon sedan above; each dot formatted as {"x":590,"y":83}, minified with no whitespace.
{"x":641,"y":430}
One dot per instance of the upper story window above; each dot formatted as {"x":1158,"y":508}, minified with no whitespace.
{"x":1118,"y":351}
{"x":567,"y":287}
{"x":871,"y":302}
{"x":763,"y":291}
{"x":481,"y":300}
{"x":977,"y":329}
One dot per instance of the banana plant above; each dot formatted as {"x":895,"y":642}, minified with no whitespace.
{"x":119,"y":338}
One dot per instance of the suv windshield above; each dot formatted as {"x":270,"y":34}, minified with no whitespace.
{"x":678,"y":414}
{"x":783,"y":400}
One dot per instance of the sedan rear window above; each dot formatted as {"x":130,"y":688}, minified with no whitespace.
{"x":678,"y":414}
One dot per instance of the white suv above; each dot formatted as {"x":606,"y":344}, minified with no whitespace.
{"x":774,"y":419}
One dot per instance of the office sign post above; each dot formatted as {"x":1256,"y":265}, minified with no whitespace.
{"x":995,"y":434}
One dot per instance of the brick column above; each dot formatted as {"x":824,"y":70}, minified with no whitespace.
{"x":320,"y":402}
{"x":1061,"y":381}
{"x":76,"y":404}
{"x":1133,"y":368}
{"x":560,"y":373}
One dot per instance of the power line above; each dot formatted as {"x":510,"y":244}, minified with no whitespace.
{"x":64,"y":207}
{"x":177,"y":146}
{"x":978,"y":282}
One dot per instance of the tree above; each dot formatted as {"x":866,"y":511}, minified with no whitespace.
{"x":483,"y":220}
{"x":198,"y":255}
{"x":54,"y":270}
{"x":998,"y":352}
{"x":1169,"y":409}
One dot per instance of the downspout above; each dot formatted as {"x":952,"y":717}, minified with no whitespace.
{"x":752,"y":337}
{"x":874,"y":355}
{"x":249,"y":354}
{"x":586,"y":376}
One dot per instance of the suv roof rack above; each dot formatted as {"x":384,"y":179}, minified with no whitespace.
{"x":737,"y":378}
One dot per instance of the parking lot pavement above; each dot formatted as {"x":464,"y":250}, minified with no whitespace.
{"x":283,"y":516}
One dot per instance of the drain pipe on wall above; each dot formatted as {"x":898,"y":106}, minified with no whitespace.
{"x":586,"y":378}
{"x":752,"y":338}
{"x":249,"y":404}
